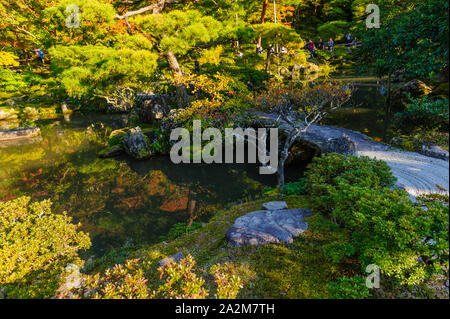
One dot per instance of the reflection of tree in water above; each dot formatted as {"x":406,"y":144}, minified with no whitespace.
{"x":117,"y":199}
{"x":364,"y":112}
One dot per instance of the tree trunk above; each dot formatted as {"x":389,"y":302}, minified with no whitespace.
{"x":263,"y":16}
{"x":290,"y":139}
{"x":388,"y":108}
{"x":268,"y":60}
{"x":182,"y":99}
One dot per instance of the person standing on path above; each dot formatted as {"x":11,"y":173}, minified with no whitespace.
{"x":39,"y":55}
{"x":330,"y":44}
{"x":320,"y":45}
{"x":311,"y":48}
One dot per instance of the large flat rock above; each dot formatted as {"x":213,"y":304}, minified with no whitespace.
{"x":268,"y":227}
{"x":274,"y":205}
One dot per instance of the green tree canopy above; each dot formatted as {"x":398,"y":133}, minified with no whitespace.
{"x":412,"y":39}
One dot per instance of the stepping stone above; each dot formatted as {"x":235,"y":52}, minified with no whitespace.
{"x":175,"y":258}
{"x":268,"y":227}
{"x":274,"y":205}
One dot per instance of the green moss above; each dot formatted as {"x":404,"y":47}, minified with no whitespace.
{"x":298,"y":270}
{"x":116,"y":137}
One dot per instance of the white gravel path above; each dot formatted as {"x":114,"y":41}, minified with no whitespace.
{"x":417,"y":173}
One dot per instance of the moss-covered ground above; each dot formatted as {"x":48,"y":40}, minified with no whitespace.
{"x":297,"y":270}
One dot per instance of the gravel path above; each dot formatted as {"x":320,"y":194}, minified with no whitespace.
{"x":417,"y":173}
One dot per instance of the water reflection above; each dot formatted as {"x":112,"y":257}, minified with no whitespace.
{"x":365,"y":110}
{"x":118,"y":200}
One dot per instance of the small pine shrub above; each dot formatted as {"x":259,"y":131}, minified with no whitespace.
{"x":377,"y":225}
{"x":295,"y":188}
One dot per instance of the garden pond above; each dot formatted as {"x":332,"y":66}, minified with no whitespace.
{"x":121,"y":201}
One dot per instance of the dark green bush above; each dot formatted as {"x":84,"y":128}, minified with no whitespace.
{"x":349,"y":288}
{"x":295,"y":188}
{"x":377,"y":225}
{"x":383,"y":227}
{"x":423,"y":113}
{"x":325,"y":172}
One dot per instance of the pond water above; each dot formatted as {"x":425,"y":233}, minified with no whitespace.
{"x":365,"y":111}
{"x":118,"y":200}
{"x":121,"y":200}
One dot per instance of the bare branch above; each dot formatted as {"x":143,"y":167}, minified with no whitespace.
{"x":155,"y":8}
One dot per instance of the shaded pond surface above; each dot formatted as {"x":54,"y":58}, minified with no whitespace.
{"x":365,"y":111}
{"x":118,"y":200}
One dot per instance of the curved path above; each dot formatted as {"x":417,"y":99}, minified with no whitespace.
{"x":417,"y":173}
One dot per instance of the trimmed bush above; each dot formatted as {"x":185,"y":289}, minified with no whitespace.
{"x":326,"y":172}
{"x":375,"y":224}
{"x":423,"y":113}
{"x":333,"y":29}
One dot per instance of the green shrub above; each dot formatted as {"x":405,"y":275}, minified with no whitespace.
{"x":36,"y":245}
{"x":325,"y":172}
{"x":374,"y":224}
{"x":333,"y":29}
{"x":180,"y":229}
{"x":295,"y":188}
{"x":382,"y":227}
{"x":349,"y":288}
{"x":423,"y":113}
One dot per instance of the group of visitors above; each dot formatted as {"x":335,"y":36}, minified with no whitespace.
{"x":350,"y":41}
{"x":310,"y":46}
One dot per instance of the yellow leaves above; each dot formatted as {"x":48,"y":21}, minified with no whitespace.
{"x":213,"y":86}
{"x":211,"y":56}
{"x":35,"y":242}
{"x":8,"y":59}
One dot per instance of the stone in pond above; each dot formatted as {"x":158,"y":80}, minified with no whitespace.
{"x":175,"y":258}
{"x":268,"y":227}
{"x":274,"y":205}
{"x":112,"y":151}
{"x":136,"y":144}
